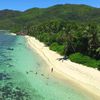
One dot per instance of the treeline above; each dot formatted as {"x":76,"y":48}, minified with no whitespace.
{"x":84,"y":38}
{"x":69,"y":38}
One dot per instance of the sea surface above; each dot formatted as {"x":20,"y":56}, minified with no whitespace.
{"x":24,"y":75}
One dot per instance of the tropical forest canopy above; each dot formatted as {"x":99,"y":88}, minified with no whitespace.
{"x":72,"y":30}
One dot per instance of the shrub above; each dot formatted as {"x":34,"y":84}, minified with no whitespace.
{"x":58,"y":48}
{"x":85,"y":60}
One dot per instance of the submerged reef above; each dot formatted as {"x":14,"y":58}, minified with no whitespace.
{"x":11,"y":92}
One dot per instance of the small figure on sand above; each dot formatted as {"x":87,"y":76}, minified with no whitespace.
{"x":51,"y":69}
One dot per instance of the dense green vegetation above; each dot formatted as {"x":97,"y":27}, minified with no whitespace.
{"x":70,"y":37}
{"x":86,"y":60}
{"x":74,"y":37}
{"x":66,"y":29}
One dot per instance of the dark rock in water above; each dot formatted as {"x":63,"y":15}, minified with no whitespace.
{"x":20,"y":43}
{"x":42,"y":74}
{"x":31,"y":71}
{"x":10,"y":92}
{"x":9,"y":65}
{"x":9,"y":59}
{"x":3,"y":55}
{"x":10,"y":49}
{"x":47,"y":77}
{"x":4,"y":76}
{"x":5,"y":59}
{"x":26,"y":72}
{"x":38,"y":64}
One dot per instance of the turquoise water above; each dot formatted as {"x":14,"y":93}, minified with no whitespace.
{"x":25,"y":76}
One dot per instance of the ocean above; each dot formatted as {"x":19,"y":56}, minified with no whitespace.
{"x":24,"y":75}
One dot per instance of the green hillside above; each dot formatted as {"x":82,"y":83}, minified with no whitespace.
{"x":71,"y":30}
{"x":67,"y":12}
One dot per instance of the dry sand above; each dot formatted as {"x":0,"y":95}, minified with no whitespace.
{"x":85,"y":77}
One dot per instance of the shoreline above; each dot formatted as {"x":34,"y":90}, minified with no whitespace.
{"x":13,"y":34}
{"x":85,"y":78}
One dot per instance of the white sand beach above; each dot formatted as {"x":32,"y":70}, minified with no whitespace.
{"x":84,"y":77}
{"x":13,"y":33}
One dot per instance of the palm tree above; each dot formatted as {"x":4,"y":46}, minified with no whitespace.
{"x":93,"y":39}
{"x":69,"y":35}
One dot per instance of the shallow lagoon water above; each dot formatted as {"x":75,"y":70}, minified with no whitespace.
{"x":24,"y":75}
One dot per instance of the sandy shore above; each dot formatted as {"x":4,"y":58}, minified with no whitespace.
{"x":12,"y":33}
{"x":85,"y":77}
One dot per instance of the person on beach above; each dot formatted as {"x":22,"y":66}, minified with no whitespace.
{"x":51,"y":69}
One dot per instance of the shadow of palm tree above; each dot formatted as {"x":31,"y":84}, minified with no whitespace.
{"x":63,"y":58}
